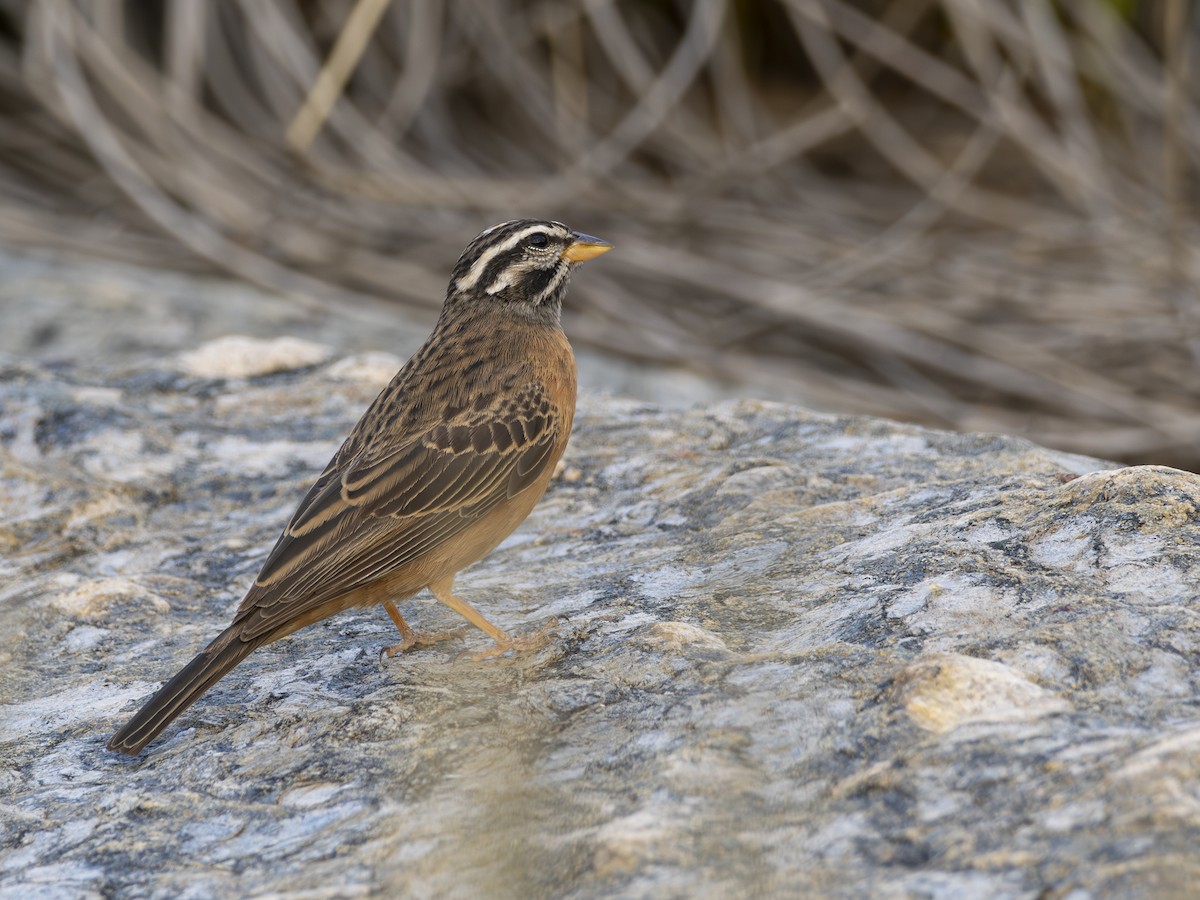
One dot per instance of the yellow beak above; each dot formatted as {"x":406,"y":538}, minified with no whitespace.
{"x":585,"y":247}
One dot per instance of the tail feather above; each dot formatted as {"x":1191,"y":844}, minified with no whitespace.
{"x":209,"y":666}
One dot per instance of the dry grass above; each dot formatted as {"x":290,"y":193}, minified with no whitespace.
{"x":970,"y":213}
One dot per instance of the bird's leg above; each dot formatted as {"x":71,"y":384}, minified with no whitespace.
{"x":411,"y":637}
{"x":443,"y":591}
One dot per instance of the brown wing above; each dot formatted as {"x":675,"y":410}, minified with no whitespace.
{"x":363,"y":519}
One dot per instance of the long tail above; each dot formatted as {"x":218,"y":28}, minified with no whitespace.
{"x":209,"y":666}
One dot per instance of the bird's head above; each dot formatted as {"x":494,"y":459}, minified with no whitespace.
{"x":524,"y":265}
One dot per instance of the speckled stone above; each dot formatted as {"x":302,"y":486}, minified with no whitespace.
{"x":238,"y":356}
{"x":797,"y":654}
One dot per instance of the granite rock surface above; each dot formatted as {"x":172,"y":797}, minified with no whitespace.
{"x":796,"y":654}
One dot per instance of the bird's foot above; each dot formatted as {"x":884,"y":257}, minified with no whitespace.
{"x":521,"y":643}
{"x":417,"y":640}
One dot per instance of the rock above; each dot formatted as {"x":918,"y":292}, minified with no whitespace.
{"x":237,"y":356}
{"x":370,"y":368}
{"x":943,"y":691}
{"x":798,"y":654}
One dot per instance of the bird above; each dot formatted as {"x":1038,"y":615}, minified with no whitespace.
{"x":445,"y":463}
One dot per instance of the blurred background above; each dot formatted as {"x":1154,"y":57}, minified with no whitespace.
{"x":974,"y":214}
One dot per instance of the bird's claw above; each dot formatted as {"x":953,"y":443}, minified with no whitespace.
{"x":522,"y":643}
{"x":418,"y":640}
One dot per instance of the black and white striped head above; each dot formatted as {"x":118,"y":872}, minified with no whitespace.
{"x":525,"y":263}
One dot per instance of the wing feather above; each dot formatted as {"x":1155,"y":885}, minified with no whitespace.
{"x":364,"y":519}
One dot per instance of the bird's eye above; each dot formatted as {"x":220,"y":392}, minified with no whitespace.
{"x":538,"y":239}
